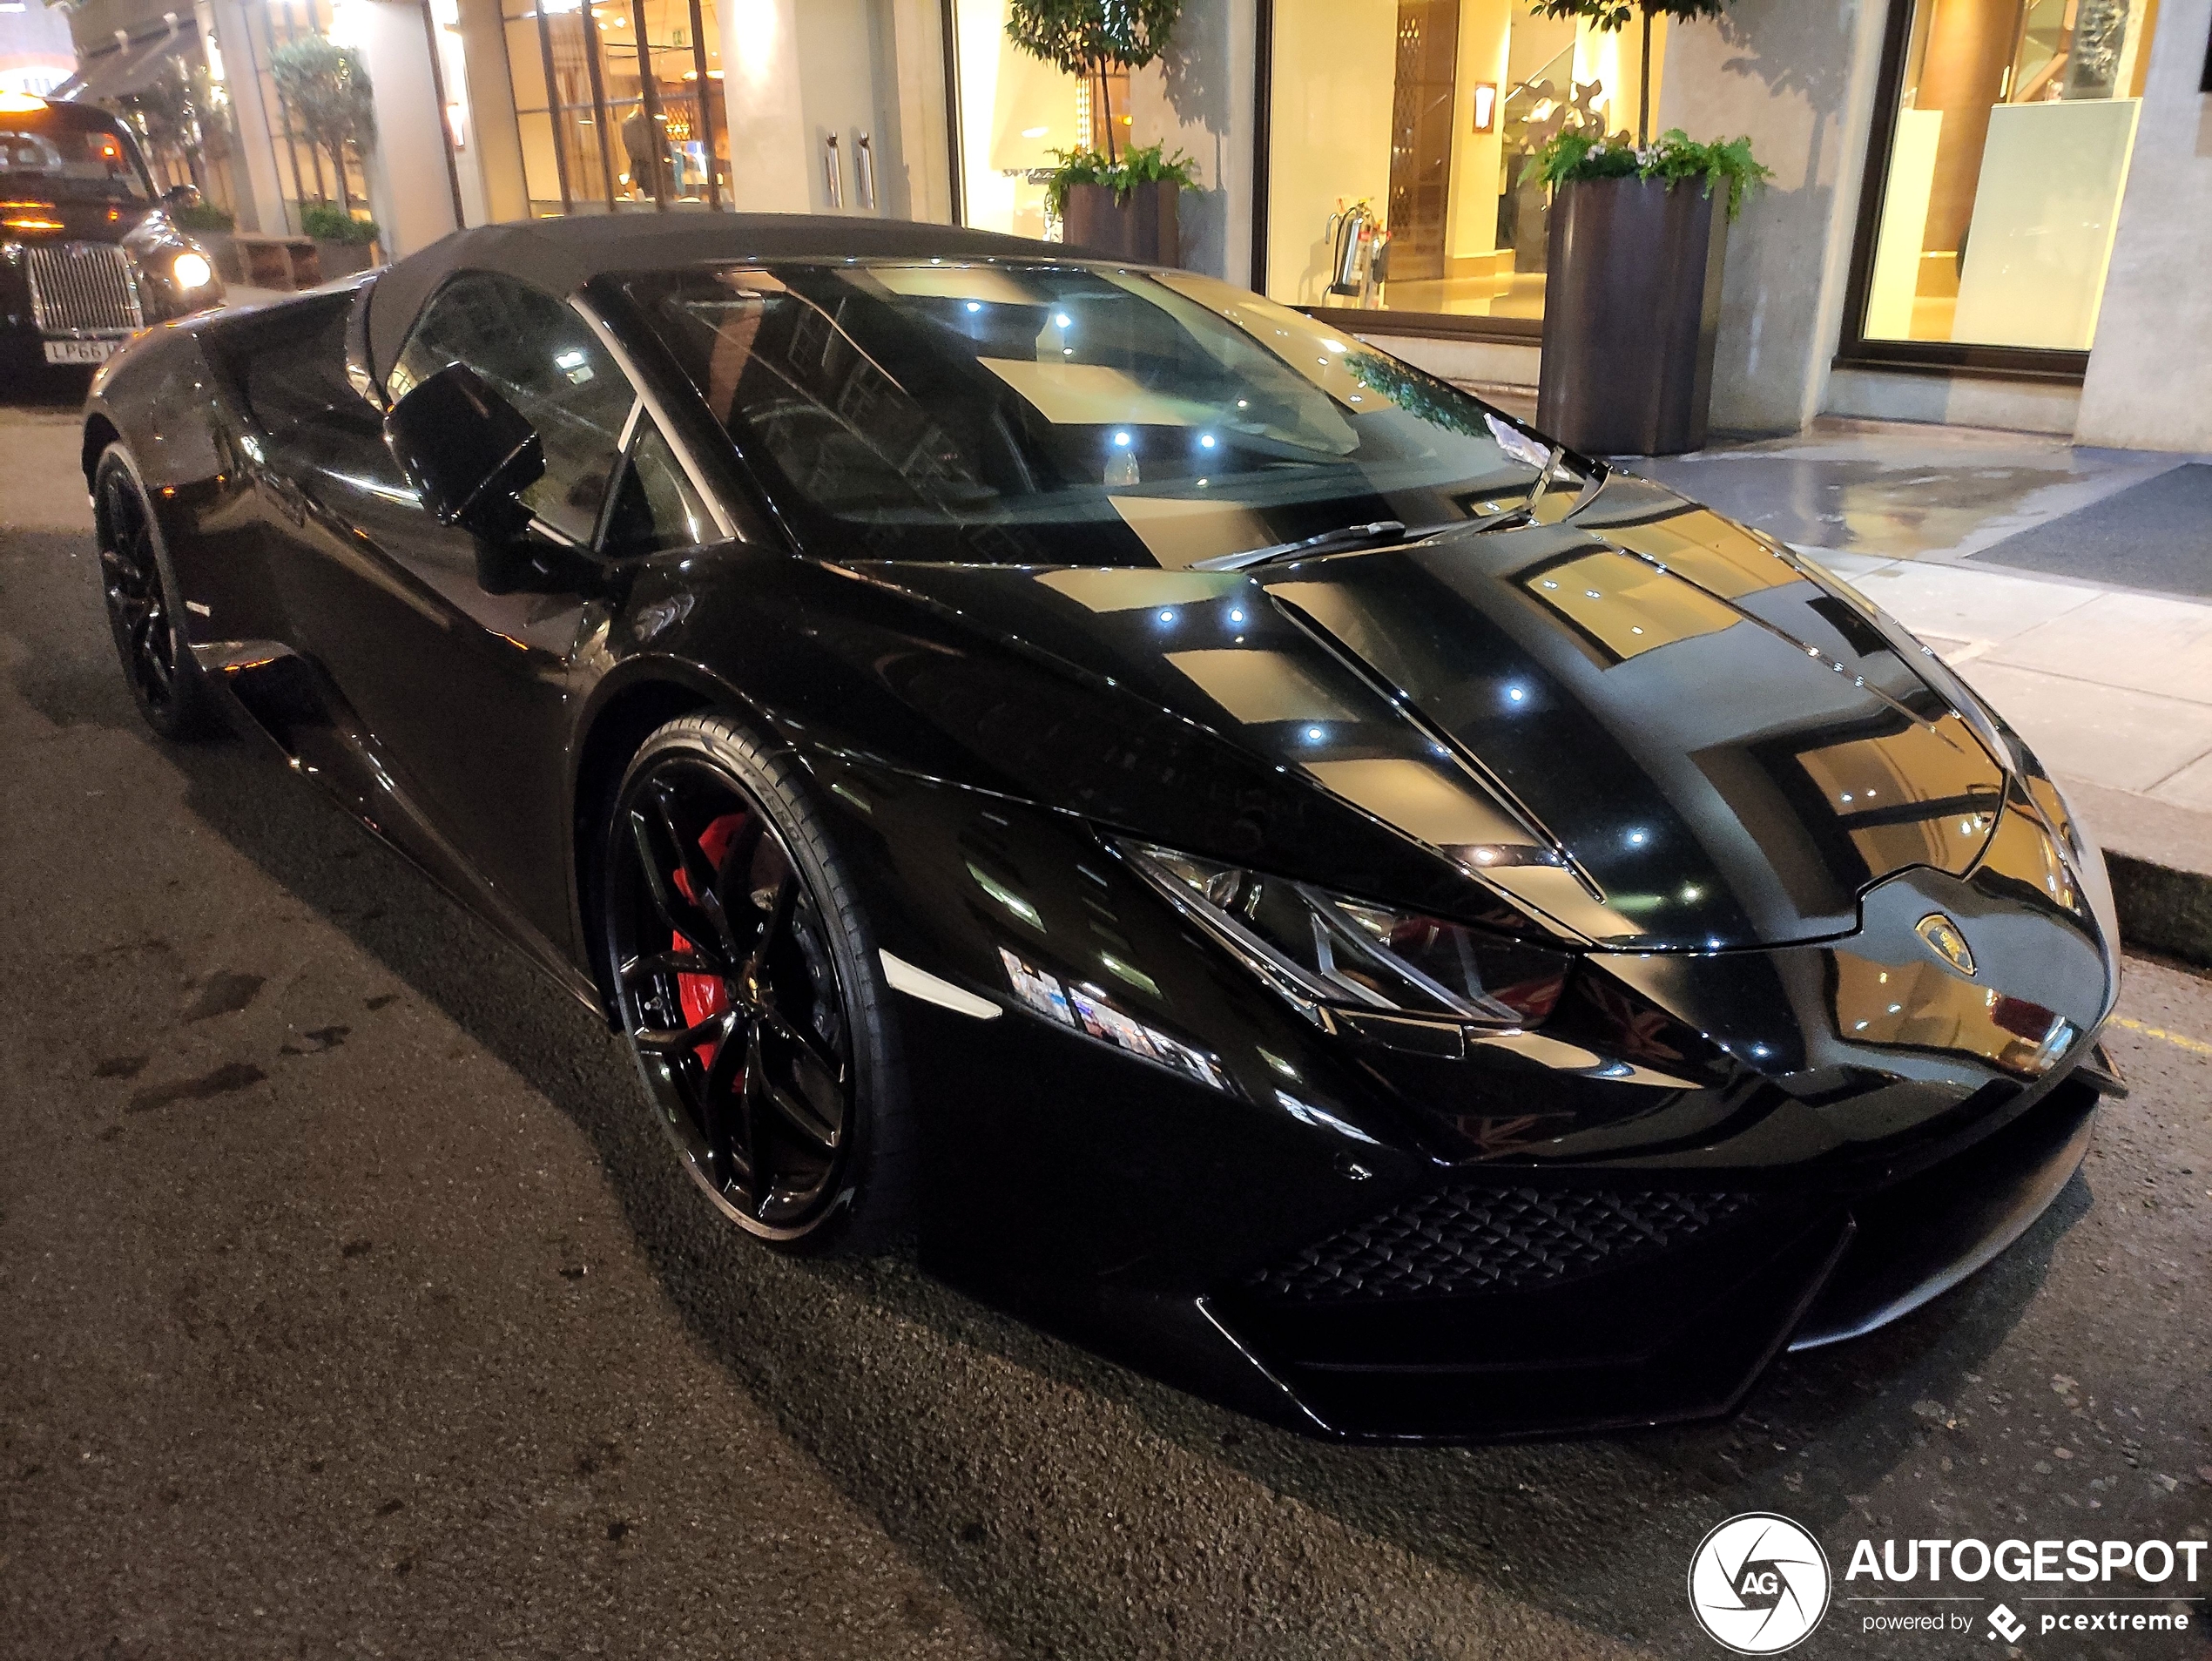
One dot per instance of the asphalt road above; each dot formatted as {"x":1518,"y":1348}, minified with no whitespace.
{"x":350,"y":1304}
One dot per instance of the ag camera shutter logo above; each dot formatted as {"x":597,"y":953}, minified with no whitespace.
{"x":1758,"y":1583}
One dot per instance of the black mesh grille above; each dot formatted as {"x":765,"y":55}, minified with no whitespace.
{"x":1485,"y":1239}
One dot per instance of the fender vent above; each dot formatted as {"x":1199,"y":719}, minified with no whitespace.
{"x":1466,"y":1240}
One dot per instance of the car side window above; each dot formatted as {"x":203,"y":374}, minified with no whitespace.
{"x":655,"y":507}
{"x":543,"y":358}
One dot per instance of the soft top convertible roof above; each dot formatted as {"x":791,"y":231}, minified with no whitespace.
{"x":561,"y":254}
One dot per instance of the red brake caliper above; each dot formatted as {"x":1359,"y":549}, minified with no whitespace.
{"x":701,"y":995}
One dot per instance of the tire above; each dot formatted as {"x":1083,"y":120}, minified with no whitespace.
{"x":775,"y":1069}
{"x":144,"y":611}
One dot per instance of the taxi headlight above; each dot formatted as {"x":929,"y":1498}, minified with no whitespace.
{"x":192,"y":270}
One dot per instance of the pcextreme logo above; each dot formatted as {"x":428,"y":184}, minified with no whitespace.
{"x":1758,"y":1583}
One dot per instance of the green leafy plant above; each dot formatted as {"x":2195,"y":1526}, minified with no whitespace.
{"x":329,"y":92}
{"x":201,"y":216}
{"x":1724,"y":164}
{"x":329,"y":224}
{"x":1609,"y":17}
{"x":1087,"y":37}
{"x":1139,"y":165}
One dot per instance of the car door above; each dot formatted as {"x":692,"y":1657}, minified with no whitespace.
{"x":464,"y":670}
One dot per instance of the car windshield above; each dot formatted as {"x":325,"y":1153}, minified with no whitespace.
{"x":1068,"y":414}
{"x":58,"y":161}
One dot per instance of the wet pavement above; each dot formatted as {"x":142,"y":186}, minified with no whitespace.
{"x":354,"y":1307}
{"x":1896,"y":490}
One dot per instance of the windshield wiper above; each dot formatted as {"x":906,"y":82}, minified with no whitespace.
{"x":1349,"y":537}
{"x":1343,"y":537}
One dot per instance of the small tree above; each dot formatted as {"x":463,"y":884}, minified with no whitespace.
{"x":167,"y":111}
{"x":1609,"y":17}
{"x":1087,"y":37}
{"x":329,"y":92}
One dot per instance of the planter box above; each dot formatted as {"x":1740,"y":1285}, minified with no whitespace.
{"x":1632,"y":306}
{"x":1141,"y":226}
{"x":343,"y":258}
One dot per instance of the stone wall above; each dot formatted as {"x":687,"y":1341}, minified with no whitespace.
{"x":2150,"y":373}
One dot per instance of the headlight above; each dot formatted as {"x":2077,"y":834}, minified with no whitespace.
{"x":192,"y":270}
{"x":1323,"y":950}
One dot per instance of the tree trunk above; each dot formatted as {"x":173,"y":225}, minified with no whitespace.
{"x":1644,"y":93}
{"x":1106,"y":107}
{"x":338,"y":166}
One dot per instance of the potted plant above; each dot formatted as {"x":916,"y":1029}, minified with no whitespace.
{"x":1108,"y":202}
{"x":1632,"y":299}
{"x":1634,"y":254}
{"x":1125,"y":207}
{"x":344,"y":244}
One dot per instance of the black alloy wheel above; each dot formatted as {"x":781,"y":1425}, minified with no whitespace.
{"x":754,"y":1006}
{"x":134,"y":580}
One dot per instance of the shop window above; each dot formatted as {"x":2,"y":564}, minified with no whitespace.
{"x":2013,"y":124}
{"x":619,"y":105}
{"x":1397,"y":130}
{"x":1014,"y":110}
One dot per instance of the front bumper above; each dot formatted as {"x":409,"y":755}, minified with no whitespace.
{"x":1612,"y":1307}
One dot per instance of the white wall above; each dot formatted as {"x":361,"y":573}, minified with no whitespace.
{"x":1797,"y":76}
{"x":262,"y":203}
{"x":770,"y":139}
{"x":411,"y":191}
{"x":1199,"y":97}
{"x":2149,"y":385}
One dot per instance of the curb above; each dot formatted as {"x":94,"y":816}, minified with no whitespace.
{"x":2162,"y":908}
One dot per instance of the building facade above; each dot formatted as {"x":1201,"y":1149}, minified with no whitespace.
{"x":1993,"y":212}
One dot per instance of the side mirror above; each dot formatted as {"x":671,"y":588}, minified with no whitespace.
{"x":468,"y":452}
{"x":181,"y":196}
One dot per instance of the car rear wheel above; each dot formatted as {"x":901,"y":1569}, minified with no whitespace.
{"x":139,"y":589}
{"x":747,"y":981}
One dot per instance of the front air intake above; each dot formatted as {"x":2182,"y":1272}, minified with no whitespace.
{"x":1462,"y":1240}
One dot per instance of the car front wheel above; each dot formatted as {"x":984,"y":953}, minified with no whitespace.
{"x":140,"y":590}
{"x":746,"y":979}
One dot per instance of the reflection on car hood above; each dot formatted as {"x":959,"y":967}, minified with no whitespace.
{"x":1643,"y":725}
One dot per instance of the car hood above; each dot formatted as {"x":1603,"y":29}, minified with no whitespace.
{"x":1643,"y":725}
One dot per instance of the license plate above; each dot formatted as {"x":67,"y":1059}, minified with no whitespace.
{"x":80,"y":351}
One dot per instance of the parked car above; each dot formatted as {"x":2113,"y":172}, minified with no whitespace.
{"x":1255,"y":857}
{"x":88,"y":253}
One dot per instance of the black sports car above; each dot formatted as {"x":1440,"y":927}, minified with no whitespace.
{"x":1260,"y":860}
{"x":89,"y":255}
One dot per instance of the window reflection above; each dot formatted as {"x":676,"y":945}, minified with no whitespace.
{"x":1922,"y":1005}
{"x":1064,"y":415}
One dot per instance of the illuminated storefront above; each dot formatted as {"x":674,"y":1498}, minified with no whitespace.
{"x":2004,"y":130}
{"x":615,"y":103}
{"x":1398,"y":131}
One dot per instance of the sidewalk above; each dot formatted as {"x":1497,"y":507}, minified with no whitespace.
{"x":2111,"y":684}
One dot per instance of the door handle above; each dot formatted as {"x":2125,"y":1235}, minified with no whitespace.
{"x":832,"y":171}
{"x":863,"y":171}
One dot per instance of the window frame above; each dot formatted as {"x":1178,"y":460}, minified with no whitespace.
{"x":634,"y":426}
{"x":1945,"y":359}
